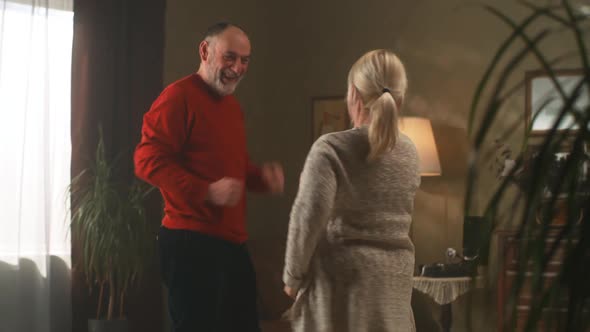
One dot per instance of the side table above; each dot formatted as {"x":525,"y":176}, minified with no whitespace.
{"x":444,"y":291}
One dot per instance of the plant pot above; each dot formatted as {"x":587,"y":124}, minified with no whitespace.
{"x":100,"y":325}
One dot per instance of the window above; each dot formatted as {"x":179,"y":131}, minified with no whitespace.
{"x":35,"y":145}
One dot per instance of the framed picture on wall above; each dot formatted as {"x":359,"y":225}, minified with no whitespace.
{"x":554,"y":185}
{"x":329,"y":114}
{"x":552,"y":178}
{"x":544,"y":103}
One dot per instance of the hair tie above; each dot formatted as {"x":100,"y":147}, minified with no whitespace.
{"x":386,"y":90}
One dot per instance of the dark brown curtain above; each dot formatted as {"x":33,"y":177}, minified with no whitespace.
{"x":117,"y":69}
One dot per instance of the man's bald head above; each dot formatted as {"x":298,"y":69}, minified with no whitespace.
{"x":225,"y":55}
{"x":217,"y":28}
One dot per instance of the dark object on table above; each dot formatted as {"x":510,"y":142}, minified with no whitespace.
{"x":476,"y":234}
{"x":450,"y":270}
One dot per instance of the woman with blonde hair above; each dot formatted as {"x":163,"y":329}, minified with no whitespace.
{"x":349,"y":260}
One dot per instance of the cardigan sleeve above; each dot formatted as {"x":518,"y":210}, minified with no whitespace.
{"x":310,"y":213}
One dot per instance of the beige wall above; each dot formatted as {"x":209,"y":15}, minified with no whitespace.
{"x":303,"y":49}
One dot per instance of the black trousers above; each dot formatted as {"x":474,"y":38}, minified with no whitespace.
{"x":211,"y":283}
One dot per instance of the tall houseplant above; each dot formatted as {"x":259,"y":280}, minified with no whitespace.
{"x":536,"y":176}
{"x":109,"y":221}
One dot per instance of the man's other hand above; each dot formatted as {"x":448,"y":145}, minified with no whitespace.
{"x":272,"y":175}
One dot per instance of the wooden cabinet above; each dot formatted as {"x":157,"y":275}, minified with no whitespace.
{"x":553,"y":317}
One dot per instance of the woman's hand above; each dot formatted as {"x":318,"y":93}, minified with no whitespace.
{"x":290,"y":292}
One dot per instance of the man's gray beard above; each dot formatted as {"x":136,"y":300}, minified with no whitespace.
{"x":222,"y":89}
{"x":218,"y":86}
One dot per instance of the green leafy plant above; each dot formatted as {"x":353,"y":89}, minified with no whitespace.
{"x":533,"y":209}
{"x":109,"y":221}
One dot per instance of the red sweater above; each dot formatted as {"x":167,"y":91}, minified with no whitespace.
{"x":190,"y":138}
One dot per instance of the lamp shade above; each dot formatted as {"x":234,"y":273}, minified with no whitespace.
{"x":419,"y":130}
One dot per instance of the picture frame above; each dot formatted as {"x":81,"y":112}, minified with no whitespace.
{"x":553,"y":177}
{"x":329,"y":114}
{"x":543,"y":100}
{"x":555,"y":215}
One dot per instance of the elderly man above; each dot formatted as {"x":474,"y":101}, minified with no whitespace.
{"x":193,"y":148}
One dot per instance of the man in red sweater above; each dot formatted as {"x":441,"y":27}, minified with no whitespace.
{"x":193,"y":148}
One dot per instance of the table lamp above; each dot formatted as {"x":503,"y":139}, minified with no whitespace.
{"x":419,"y":130}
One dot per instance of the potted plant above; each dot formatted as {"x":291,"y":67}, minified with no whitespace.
{"x":108,"y":220}
{"x":547,"y":184}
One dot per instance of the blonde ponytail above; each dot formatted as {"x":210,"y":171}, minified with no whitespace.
{"x":380,"y":79}
{"x":383,"y":128}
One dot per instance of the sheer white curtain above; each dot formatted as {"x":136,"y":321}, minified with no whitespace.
{"x":35,"y":65}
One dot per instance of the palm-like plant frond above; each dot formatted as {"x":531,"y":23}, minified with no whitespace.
{"x":538,"y":210}
{"x":109,"y":220}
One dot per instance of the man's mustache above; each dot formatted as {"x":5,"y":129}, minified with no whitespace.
{"x":230,"y":74}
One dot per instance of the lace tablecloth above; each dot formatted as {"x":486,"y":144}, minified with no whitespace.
{"x":443,"y":290}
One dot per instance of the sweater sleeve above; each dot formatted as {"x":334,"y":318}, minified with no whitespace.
{"x":254,"y":181}
{"x":157,"y":157}
{"x":310,"y":213}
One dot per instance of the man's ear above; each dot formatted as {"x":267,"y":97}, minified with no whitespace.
{"x":204,"y":50}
